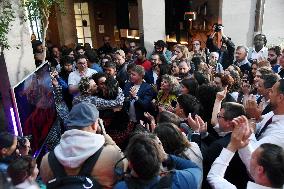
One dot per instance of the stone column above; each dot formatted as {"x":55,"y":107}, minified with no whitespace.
{"x":151,"y":14}
{"x":238,"y":18}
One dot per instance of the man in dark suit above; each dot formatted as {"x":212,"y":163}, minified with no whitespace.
{"x":138,"y":94}
{"x":228,"y":112}
{"x":241,"y":59}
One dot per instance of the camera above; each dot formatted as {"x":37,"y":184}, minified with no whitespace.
{"x":217,"y":27}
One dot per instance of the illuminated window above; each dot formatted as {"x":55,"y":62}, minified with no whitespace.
{"x":82,"y":18}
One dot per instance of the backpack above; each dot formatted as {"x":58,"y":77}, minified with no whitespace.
{"x":83,"y":180}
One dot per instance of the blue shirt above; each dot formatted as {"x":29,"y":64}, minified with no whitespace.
{"x":186,"y":175}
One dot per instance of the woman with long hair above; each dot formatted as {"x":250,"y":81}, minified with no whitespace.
{"x":174,"y":142}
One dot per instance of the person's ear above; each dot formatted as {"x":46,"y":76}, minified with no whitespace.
{"x":95,"y":125}
{"x":4,"y":151}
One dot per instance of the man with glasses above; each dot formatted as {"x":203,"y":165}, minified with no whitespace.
{"x":225,"y":126}
{"x":82,"y":71}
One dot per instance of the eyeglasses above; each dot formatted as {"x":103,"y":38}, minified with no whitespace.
{"x":133,"y":47}
{"x":219,"y":116}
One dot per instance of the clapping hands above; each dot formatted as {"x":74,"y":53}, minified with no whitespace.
{"x":240,"y":135}
{"x":196,"y":123}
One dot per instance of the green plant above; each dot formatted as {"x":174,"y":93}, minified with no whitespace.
{"x":7,"y":15}
{"x":40,"y":10}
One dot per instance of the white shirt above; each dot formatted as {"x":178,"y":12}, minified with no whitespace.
{"x":262,"y":54}
{"x":216,"y":174}
{"x":75,"y":77}
{"x":274,"y":134}
{"x":132,"y":114}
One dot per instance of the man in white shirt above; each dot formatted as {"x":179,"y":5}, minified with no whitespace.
{"x":271,"y":128}
{"x":82,"y":71}
{"x":260,"y":51}
{"x":266,"y":163}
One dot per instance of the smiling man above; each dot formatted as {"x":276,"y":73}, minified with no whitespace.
{"x":82,"y":71}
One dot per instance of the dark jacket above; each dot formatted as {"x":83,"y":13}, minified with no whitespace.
{"x":226,"y":58}
{"x":186,"y":175}
{"x":122,"y":75}
{"x":235,"y":169}
{"x":143,"y":104}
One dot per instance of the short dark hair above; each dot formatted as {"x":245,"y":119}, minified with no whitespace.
{"x":272,"y":160}
{"x":80,"y":57}
{"x":99,"y":75}
{"x":91,"y":55}
{"x":142,"y":49}
{"x":189,"y":104}
{"x":144,"y":154}
{"x":21,"y":168}
{"x":66,"y":60}
{"x":79,"y":48}
{"x":6,"y":140}
{"x":233,"y":110}
{"x":276,"y":49}
{"x":160,"y":43}
{"x":269,"y":80}
{"x":110,"y":64}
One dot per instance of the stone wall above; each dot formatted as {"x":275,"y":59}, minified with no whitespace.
{"x":238,"y":17}
{"x":19,"y":58}
{"x":273,"y":22}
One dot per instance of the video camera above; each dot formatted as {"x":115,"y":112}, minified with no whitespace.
{"x":217,"y":27}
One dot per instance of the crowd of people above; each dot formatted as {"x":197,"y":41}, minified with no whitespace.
{"x":184,"y":117}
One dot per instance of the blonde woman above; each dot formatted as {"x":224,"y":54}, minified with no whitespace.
{"x":167,"y":96}
{"x":180,"y":53}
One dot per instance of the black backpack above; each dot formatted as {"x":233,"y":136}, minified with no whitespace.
{"x":83,"y":180}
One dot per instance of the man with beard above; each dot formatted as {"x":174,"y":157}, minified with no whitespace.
{"x":106,"y":48}
{"x":141,"y":54}
{"x":273,"y":54}
{"x":271,"y":127}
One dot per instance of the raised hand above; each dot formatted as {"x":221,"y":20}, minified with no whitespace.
{"x":240,"y":135}
{"x":253,"y":109}
{"x":133,"y":92}
{"x":196,"y":123}
{"x":222,"y":94}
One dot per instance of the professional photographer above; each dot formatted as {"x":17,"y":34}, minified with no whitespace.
{"x":227,"y":49}
{"x":10,"y":148}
